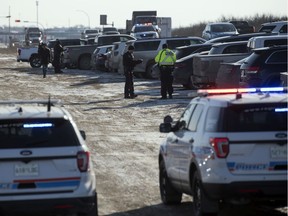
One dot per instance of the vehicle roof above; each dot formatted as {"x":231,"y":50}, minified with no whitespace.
{"x":272,"y":48}
{"x":239,"y":37}
{"x":113,"y":35}
{"x":276,"y":22}
{"x":31,"y":112}
{"x":281,"y":36}
{"x":246,"y":98}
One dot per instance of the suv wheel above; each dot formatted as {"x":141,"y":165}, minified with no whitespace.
{"x":168,"y":194}
{"x":149,"y":73}
{"x":201,"y":204}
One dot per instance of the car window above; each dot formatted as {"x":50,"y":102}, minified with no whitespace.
{"x":147,"y":45}
{"x":172,"y":44}
{"x":268,"y":28}
{"x":21,"y":133}
{"x":283,"y":29}
{"x":186,"y":115}
{"x":192,"y":126}
{"x":255,"y":117}
{"x":278,"y":57}
{"x":268,"y":43}
{"x":236,"y":49}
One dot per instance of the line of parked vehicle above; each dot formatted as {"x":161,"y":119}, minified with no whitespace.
{"x":218,"y":62}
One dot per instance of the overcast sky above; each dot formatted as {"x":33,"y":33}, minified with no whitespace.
{"x":184,"y":13}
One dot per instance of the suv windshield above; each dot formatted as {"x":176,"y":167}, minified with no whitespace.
{"x":21,"y":133}
{"x":247,"y":118}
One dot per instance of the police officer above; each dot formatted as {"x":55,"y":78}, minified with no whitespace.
{"x":129,"y":63}
{"x":166,"y":59}
{"x":58,"y":49}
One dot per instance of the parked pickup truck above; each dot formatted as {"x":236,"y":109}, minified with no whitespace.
{"x":80,"y":56}
{"x":29,"y":54}
{"x":243,"y":27}
{"x":205,"y":67}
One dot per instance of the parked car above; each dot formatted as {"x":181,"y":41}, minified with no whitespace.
{"x":99,"y":58}
{"x":144,"y":32}
{"x":243,"y":26}
{"x":266,"y":41}
{"x":239,"y":37}
{"x":90,"y":33}
{"x":110,"y":30}
{"x":45,"y":162}
{"x":275,"y":27}
{"x":214,"y":30}
{"x":263,"y":67}
{"x":116,"y":56}
{"x":147,"y":49}
{"x":226,"y":148}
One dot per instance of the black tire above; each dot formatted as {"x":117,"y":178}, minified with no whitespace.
{"x":93,"y":211}
{"x":168,"y":194}
{"x":35,"y":61}
{"x":84,"y":63}
{"x":201,"y":204}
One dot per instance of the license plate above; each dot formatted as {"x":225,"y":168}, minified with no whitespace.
{"x":279,"y":151}
{"x":30,"y":169}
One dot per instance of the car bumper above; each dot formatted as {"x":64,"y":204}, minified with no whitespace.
{"x":67,"y":205}
{"x":267,"y":190}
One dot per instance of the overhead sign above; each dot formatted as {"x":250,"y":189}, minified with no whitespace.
{"x":103,"y":19}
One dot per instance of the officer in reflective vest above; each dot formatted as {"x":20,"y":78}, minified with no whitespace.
{"x":166,"y":59}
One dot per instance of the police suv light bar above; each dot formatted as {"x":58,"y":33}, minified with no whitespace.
{"x":241,"y":90}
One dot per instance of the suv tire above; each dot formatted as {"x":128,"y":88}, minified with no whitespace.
{"x":201,"y":204}
{"x":168,"y":194}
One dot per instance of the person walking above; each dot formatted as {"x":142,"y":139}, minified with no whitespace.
{"x":166,"y":59}
{"x":58,"y":49}
{"x":129,"y":63}
{"x":44,"y":53}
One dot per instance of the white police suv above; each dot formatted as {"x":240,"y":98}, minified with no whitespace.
{"x":228,"y":147}
{"x":45,"y":165}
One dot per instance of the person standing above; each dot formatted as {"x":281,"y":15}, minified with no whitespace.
{"x":129,"y":63}
{"x":58,"y":49}
{"x":44,"y":53}
{"x":166,"y":59}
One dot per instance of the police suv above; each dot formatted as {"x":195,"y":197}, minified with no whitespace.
{"x":45,"y":165}
{"x":229,"y":145}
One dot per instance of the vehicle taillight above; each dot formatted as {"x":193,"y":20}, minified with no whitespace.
{"x":83,"y":161}
{"x":221,"y":146}
{"x":252,"y":70}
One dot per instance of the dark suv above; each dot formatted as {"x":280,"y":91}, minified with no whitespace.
{"x":263,"y":67}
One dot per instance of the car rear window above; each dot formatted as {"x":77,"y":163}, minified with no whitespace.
{"x":247,"y":118}
{"x":37,"y":133}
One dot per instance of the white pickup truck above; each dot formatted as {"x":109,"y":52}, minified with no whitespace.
{"x":29,"y":54}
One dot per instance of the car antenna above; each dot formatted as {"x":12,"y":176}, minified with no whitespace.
{"x":49,"y":104}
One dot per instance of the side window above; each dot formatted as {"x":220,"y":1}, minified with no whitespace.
{"x":146,"y":46}
{"x":172,"y":44}
{"x":186,"y":115}
{"x":236,"y":49}
{"x":283,"y":29}
{"x":268,"y":43}
{"x":279,"y":57}
{"x":192,"y":126}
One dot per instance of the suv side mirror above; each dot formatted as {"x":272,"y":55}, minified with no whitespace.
{"x":165,"y":127}
{"x":83,"y":134}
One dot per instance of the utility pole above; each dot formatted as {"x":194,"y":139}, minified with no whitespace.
{"x":37,"y":3}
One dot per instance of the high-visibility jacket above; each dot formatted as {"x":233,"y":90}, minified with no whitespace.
{"x":165,"y":57}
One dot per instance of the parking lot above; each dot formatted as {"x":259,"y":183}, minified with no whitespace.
{"x":123,"y":135}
